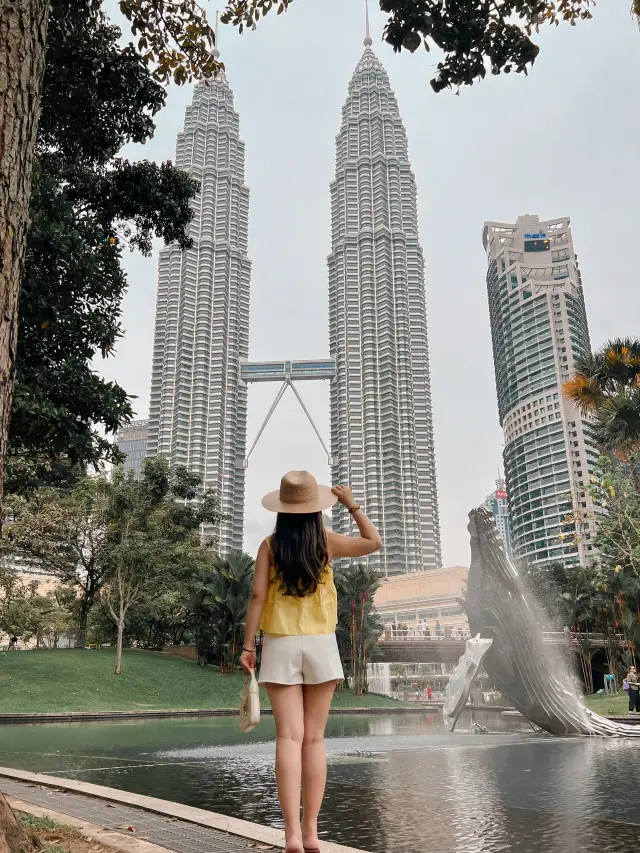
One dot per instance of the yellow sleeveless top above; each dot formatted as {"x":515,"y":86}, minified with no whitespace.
{"x":286,"y":615}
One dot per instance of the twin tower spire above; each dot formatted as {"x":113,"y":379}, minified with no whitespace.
{"x":381,"y":420}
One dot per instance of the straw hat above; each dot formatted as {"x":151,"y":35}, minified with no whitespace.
{"x":299,"y":492}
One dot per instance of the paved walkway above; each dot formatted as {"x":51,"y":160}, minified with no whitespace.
{"x":163,"y":823}
{"x":171,"y":833}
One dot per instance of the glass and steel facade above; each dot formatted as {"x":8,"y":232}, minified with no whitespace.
{"x":278,"y":371}
{"x":538,"y":328}
{"x":132,"y":440}
{"x":198,"y":405}
{"x":381,"y":421}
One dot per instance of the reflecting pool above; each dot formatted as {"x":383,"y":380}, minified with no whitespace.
{"x":396,"y":783}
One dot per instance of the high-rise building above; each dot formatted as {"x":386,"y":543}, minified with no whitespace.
{"x":198,"y":405}
{"x":381,"y":423}
{"x":132,"y":440}
{"x":538,"y":328}
{"x":498,"y":505}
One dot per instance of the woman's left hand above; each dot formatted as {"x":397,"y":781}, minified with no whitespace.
{"x":248,"y":661}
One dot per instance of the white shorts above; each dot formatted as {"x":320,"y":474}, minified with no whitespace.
{"x":300,"y":659}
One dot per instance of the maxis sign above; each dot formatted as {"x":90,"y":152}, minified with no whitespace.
{"x":539,"y":236}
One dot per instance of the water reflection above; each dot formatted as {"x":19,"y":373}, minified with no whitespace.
{"x":395,"y":783}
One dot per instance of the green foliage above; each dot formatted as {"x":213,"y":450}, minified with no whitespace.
{"x":358,"y":625}
{"x":474,"y":35}
{"x":86,"y":207}
{"x":606,"y":387}
{"x":28,"y":615}
{"x":220,"y":608}
{"x":124,"y":541}
{"x":174,"y":37}
{"x":615,"y":495}
{"x":30,"y":821}
{"x":97,"y":93}
{"x":602,"y":598}
{"x":158,"y":619}
{"x":152,"y":538}
{"x":547,"y":583}
{"x":64,"y":530}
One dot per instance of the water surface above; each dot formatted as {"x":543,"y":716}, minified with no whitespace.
{"x":396,"y":783}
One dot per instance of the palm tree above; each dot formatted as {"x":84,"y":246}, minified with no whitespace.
{"x":220,"y":605}
{"x":606,"y":386}
{"x":358,"y":625}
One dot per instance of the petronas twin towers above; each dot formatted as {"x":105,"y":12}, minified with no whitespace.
{"x":381,"y":422}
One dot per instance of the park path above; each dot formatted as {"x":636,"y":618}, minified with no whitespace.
{"x":170,"y":833}
{"x":166,"y":824}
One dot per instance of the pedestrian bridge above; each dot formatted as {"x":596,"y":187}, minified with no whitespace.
{"x":450,"y":649}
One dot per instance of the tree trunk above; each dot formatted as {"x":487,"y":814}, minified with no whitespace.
{"x":83,"y":618}
{"x":119,"y":644}
{"x":13,"y":838}
{"x":23,"y":35}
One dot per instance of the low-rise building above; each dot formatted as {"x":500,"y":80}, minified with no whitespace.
{"x":30,"y":572}
{"x":433,"y":597}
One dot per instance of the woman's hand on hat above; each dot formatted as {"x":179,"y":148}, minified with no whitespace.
{"x":248,"y":661}
{"x":344,"y":495}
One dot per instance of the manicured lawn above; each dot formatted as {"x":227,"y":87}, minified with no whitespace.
{"x":83,"y":680}
{"x":618,"y":704}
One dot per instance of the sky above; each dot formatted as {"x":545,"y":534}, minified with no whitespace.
{"x":561,"y":141}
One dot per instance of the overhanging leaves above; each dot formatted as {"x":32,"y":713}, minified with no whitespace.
{"x":474,"y":35}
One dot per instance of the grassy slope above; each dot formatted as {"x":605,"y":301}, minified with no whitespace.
{"x":618,"y":704}
{"x":82,"y":680}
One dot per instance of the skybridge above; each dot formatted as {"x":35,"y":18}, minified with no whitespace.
{"x":287,"y":373}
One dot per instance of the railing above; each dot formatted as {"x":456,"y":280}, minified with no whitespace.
{"x":570,"y":638}
{"x":399,"y":637}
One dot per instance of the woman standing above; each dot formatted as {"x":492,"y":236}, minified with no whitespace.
{"x":294,"y":603}
{"x":634,"y":691}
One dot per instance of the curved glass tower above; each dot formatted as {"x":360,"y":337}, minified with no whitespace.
{"x":198,"y":406}
{"x":381,"y":423}
{"x":538,"y":328}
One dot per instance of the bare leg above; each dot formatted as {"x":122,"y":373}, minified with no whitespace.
{"x":317,"y":701}
{"x":288,"y":711}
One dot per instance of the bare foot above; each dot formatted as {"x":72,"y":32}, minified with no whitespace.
{"x":293,"y":845}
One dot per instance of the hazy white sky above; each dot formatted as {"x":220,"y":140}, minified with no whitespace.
{"x":562,"y":141}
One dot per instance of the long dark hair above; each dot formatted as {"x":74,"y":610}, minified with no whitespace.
{"x":300,"y":554}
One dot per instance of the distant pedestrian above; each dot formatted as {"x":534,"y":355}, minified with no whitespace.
{"x":13,"y":643}
{"x":438,"y":629}
{"x":634,"y":691}
{"x":429,"y":693}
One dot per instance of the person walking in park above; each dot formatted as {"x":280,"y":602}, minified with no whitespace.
{"x":294,"y":603}
{"x":634,"y":690}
